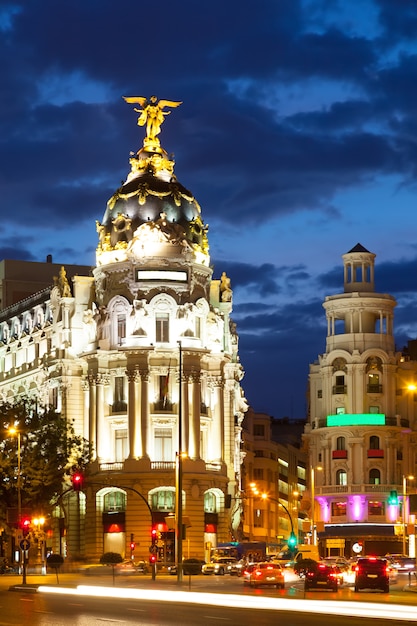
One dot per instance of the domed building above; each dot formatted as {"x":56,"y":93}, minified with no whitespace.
{"x":143,"y":358}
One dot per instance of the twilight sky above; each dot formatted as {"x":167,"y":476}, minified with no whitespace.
{"x":297,"y":135}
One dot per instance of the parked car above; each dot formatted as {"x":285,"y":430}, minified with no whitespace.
{"x":322,"y":576}
{"x":189,"y":567}
{"x":222,"y":565}
{"x":372,"y":573}
{"x":266,"y":573}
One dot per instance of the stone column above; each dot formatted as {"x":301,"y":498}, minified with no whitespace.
{"x":216,"y":436}
{"x":144,"y":430}
{"x":133,"y":379}
{"x":101,"y":430}
{"x":92,"y":413}
{"x":194,"y":433}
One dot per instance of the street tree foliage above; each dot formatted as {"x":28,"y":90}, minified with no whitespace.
{"x":49,"y":452}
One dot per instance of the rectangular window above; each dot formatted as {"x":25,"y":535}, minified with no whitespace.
{"x":121,"y":448}
{"x":340,"y":410}
{"x":162,"y":327}
{"x":198,"y":327}
{"x":259,"y":430}
{"x":374,"y":409}
{"x":258,"y":518}
{"x":121,"y":328}
{"x":119,"y":402}
{"x":163,"y":444}
{"x":258,"y":473}
{"x":338,"y":509}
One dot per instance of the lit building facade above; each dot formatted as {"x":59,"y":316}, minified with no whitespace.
{"x":274,"y":481}
{"x":142,"y":356}
{"x":361,"y":430}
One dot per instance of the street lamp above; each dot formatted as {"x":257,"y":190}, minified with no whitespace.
{"x":178,"y":476}
{"x":313,"y":502}
{"x":405,"y":510}
{"x":14,"y":431}
{"x":292,"y":536}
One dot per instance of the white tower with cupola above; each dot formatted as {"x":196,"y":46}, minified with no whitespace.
{"x":361,"y":430}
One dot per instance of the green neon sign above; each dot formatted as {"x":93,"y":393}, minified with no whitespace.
{"x":356,"y":419}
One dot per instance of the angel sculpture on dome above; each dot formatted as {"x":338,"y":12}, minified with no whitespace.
{"x":152,"y":114}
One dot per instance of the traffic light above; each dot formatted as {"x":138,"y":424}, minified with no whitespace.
{"x":292,"y":541}
{"x":25,"y":526}
{"x":393,"y":498}
{"x":154,"y":536}
{"x":77,"y":481}
{"x":153,"y":559}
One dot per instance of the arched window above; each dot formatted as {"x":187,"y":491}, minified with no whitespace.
{"x":163,"y":501}
{"x":210,"y":502}
{"x":374,"y":477}
{"x":340,"y":443}
{"x":114,"y":501}
{"x":341,"y":477}
{"x":374,"y":442}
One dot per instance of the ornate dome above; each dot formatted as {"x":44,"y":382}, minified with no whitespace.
{"x":151,"y":205}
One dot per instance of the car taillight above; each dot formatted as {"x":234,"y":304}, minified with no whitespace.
{"x":258,"y":572}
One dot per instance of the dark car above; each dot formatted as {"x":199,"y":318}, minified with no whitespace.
{"x":322,"y":576}
{"x":189,"y":567}
{"x":401,"y":562}
{"x":372,"y":573}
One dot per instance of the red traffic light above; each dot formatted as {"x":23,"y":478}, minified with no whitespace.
{"x":153,"y":558}
{"x":77,"y":481}
{"x":154,"y":536}
{"x":132,"y":545}
{"x":25,"y":525}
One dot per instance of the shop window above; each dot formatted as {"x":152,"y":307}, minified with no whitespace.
{"x":376,"y":507}
{"x":338,"y":509}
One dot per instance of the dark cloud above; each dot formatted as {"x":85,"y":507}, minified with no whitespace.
{"x":290,"y":110}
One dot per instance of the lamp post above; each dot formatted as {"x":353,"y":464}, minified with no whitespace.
{"x":13,"y":431}
{"x":313,"y":504}
{"x":405,"y":511}
{"x":178,"y":477}
{"x":265,"y":496}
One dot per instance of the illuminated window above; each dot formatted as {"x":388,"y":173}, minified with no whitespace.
{"x":374,"y":477}
{"x":210,"y":502}
{"x":121,"y":449}
{"x":163,"y":444}
{"x":341,"y":477}
{"x":114,"y":501}
{"x":162,"y":327}
{"x":163,"y":501}
{"x":338,"y":509}
{"x":258,"y":518}
{"x":340,"y":410}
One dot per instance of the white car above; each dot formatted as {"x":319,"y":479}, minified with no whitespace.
{"x":222,"y":565}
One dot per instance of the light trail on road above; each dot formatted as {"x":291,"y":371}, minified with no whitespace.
{"x":330,"y":607}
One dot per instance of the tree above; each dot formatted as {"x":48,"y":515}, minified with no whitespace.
{"x":49,"y":449}
{"x":111,"y":558}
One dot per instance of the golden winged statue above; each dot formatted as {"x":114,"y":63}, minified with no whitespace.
{"x":151,"y":113}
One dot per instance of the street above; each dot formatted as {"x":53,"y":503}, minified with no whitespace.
{"x":199,"y":600}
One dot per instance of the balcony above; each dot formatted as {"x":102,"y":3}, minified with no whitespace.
{"x":339,"y":389}
{"x":375,"y":454}
{"x":339,"y":454}
{"x":374,"y":388}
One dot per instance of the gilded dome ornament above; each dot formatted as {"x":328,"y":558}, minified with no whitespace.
{"x":152,"y":114}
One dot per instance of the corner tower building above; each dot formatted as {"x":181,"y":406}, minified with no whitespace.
{"x":361,"y":430}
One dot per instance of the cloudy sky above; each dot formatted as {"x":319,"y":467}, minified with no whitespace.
{"x":297,"y":135}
